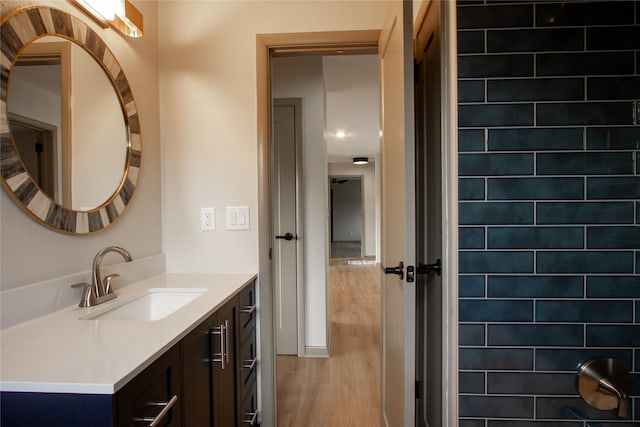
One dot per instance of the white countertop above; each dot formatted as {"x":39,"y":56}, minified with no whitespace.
{"x":59,"y":353}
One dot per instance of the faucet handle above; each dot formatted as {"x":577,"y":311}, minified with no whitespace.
{"x":87,"y":296}
{"x":604,"y":383}
{"x":107,"y":283}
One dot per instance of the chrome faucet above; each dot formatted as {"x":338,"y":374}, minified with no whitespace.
{"x":100,"y":289}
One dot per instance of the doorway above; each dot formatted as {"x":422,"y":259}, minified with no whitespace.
{"x":346,"y":217}
{"x":268,"y":44}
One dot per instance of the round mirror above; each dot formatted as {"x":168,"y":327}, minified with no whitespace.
{"x":70,"y":132}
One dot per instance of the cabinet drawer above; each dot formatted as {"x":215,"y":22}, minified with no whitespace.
{"x":152,"y":395}
{"x":248,"y":311}
{"x":249,"y":406}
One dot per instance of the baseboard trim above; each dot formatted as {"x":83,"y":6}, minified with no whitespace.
{"x":312,"y":351}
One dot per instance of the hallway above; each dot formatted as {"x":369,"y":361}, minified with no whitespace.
{"x":343,"y":390}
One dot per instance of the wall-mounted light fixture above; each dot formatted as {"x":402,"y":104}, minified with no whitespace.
{"x":360,"y":160}
{"x":120,"y":14}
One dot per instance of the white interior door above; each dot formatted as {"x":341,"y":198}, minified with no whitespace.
{"x":398,"y":215}
{"x":286,"y":119}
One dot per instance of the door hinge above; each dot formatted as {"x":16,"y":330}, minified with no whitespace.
{"x":270,"y":253}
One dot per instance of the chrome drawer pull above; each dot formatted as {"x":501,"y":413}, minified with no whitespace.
{"x":249,"y":364}
{"x":223,"y":332}
{"x":155,"y":421}
{"x":248,"y":309}
{"x":254,"y":417}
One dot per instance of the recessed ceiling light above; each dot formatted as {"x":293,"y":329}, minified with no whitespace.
{"x":341,"y":134}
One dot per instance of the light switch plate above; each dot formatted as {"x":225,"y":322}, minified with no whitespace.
{"x":238,"y":218}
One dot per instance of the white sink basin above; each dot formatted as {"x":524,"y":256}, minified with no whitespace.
{"x":154,"y":304}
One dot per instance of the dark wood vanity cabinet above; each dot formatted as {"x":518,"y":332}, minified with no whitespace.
{"x":153,"y":396}
{"x":224,"y":365}
{"x":217,"y":365}
{"x":197,"y":376}
{"x":208,"y":379}
{"x":248,"y":358}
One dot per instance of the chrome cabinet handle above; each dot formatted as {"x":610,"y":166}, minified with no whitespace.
{"x":225,"y":352}
{"x":155,"y":421}
{"x":223,"y":332}
{"x":248,"y":309}
{"x":254,"y":417}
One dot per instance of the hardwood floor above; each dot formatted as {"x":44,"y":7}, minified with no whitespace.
{"x":343,"y":390}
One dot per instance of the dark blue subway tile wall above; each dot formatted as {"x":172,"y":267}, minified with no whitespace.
{"x":584,"y":14}
{"x":498,"y":65}
{"x":504,"y":286}
{"x":535,"y":237}
{"x":471,"y":42}
{"x":530,"y":383}
{"x":534,"y":90}
{"x":613,"y":138}
{"x":568,"y":360}
{"x":584,"y":213}
{"x":471,"y":286}
{"x":470,"y":140}
{"x":613,"y":88}
{"x":472,"y":382}
{"x":499,"y":213}
{"x":583,"y":64}
{"x":549,"y":206}
{"x":613,"y":287}
{"x":534,"y":139}
{"x":513,"y":423}
{"x":529,"y":188}
{"x":585,"y":163}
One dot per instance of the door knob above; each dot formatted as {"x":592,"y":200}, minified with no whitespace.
{"x":287,"y":236}
{"x":399,"y":270}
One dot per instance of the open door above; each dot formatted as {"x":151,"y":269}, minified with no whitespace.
{"x":429,"y":224}
{"x":398,"y":216}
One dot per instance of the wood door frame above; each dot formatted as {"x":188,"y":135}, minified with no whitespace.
{"x":448,"y":26}
{"x":265,"y":45}
{"x":300,"y":294}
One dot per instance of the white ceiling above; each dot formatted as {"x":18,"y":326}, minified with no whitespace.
{"x":352,"y":105}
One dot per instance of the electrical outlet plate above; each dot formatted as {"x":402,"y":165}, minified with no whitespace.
{"x":208,"y":219}
{"x":238,"y":218}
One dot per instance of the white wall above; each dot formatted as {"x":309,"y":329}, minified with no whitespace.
{"x":209,"y":120}
{"x":301,"y":77}
{"x":31,"y":253}
{"x":368,"y":172}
